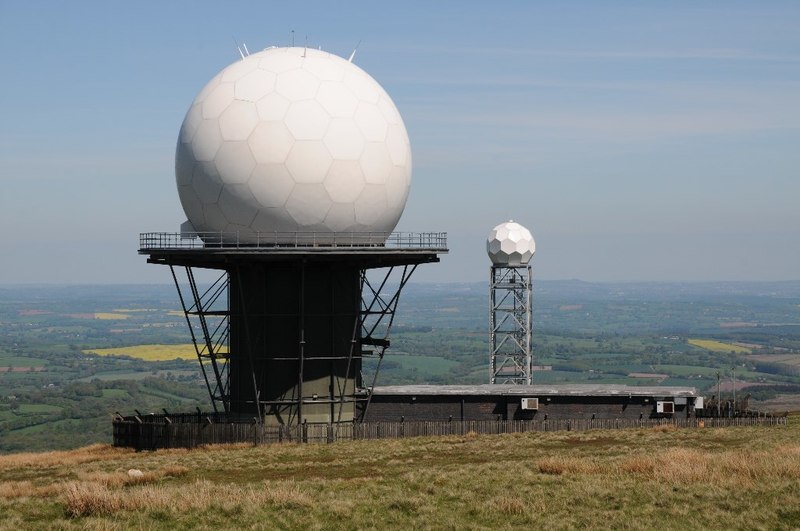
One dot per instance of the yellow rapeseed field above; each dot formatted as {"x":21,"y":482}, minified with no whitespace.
{"x":149,"y":352}
{"x":718,"y":346}
{"x":109,"y":316}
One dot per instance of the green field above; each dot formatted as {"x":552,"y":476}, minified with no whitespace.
{"x":7,"y":360}
{"x":432,"y":365}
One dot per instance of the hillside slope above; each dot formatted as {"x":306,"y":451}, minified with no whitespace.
{"x":630,"y":479}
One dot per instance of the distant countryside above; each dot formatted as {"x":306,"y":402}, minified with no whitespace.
{"x":70,"y":357}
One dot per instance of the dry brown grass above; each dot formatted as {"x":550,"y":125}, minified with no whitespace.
{"x":740,"y":468}
{"x":94,"y":499}
{"x":628,"y":479}
{"x":664,"y":428}
{"x":108,"y":480}
{"x":510,"y":504}
{"x":686,"y":465}
{"x":95,"y":452}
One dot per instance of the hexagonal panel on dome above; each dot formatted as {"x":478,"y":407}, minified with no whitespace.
{"x":235,"y":161}
{"x":361,"y":85}
{"x":273,"y":220}
{"x":341,"y":217}
{"x":192,"y":205}
{"x":238,"y":204}
{"x":206,"y":141}
{"x":371,"y":122}
{"x":337,"y":99}
{"x":238,"y":120}
{"x":397,"y":187}
{"x":307,"y":120}
{"x":376,"y":163}
{"x":271,"y":184}
{"x":388,"y":110}
{"x":344,"y":181}
{"x":255,"y":85}
{"x":309,"y":161}
{"x":218,"y":100}
{"x":297,"y":85}
{"x":215,"y":220}
{"x":396,"y":142}
{"x":370,"y":205}
{"x":191,"y":122}
{"x":508,"y":246}
{"x":271,"y":142}
{"x":501,"y":233}
{"x":273,"y":106}
{"x":308,"y":204}
{"x":206,"y":182}
{"x":184,"y":164}
{"x":343,"y":140}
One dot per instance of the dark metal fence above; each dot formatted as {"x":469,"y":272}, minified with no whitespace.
{"x":188,"y":431}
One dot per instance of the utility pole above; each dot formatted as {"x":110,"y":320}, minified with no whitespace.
{"x":719,"y":397}
{"x":734,"y":390}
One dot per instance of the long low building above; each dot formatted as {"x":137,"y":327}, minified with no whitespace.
{"x":530,"y":402}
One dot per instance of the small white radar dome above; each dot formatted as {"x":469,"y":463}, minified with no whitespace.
{"x":293,"y":140}
{"x":510,"y":244}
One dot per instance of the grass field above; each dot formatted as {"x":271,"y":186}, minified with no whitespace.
{"x":718,"y":346}
{"x":730,"y":478}
{"x":109,"y":316}
{"x":784,"y":359}
{"x":431,"y":365}
{"x":149,"y":352}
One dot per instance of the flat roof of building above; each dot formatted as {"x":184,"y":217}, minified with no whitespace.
{"x":536,"y":390}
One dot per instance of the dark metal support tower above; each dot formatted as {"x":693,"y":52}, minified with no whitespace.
{"x":510,"y":324}
{"x":282,"y":333}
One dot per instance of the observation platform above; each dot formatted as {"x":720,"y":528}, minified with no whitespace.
{"x":220,"y":249}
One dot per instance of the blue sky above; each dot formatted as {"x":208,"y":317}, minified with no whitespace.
{"x":638,"y":141}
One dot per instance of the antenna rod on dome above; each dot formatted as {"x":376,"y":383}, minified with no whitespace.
{"x":245,"y":49}
{"x":238,"y":47}
{"x":292,"y":38}
{"x":305,"y":47}
{"x":350,"y":59}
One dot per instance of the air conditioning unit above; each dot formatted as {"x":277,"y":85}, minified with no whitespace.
{"x":698,"y":402}
{"x":665,"y":407}
{"x":530,"y":403}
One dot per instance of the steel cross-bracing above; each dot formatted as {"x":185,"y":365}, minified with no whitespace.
{"x":510,"y":324}
{"x":296,"y":333}
{"x":378,"y":307}
{"x":208,"y":317}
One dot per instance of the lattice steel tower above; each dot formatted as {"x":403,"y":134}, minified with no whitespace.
{"x":511,"y":247}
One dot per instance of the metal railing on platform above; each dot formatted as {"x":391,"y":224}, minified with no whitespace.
{"x":154,"y":241}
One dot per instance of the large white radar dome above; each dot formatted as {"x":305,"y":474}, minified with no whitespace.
{"x":510,"y":244}
{"x":293,"y":139}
